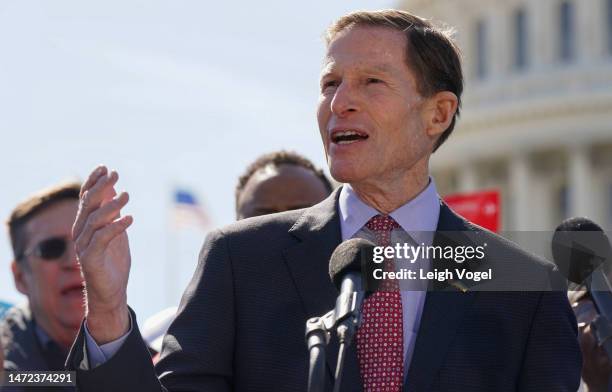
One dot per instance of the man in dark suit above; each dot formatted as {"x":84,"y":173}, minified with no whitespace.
{"x":37,"y":335}
{"x":390,"y":92}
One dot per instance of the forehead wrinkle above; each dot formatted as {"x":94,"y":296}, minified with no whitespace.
{"x":378,"y":60}
{"x":380,"y":34}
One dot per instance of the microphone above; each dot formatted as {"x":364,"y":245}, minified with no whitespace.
{"x":348,"y":269}
{"x":579,"y":247}
{"x":347,"y":266}
{"x":583,"y":253}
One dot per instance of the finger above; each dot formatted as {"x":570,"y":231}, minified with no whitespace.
{"x":105,"y":235}
{"x":101,"y":191}
{"x":93,"y":198}
{"x":100,"y":218}
{"x":587,"y":340}
{"x":601,"y":357}
{"x":93,"y":178}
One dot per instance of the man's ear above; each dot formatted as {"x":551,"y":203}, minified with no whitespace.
{"x":19,"y":272}
{"x":441,"y":108}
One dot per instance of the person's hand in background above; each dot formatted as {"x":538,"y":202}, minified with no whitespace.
{"x":103,"y":251}
{"x":596,"y":366}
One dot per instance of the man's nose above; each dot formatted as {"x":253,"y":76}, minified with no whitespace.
{"x":345,"y":100}
{"x":69,"y":260}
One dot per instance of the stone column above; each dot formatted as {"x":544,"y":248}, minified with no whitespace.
{"x":542,"y":32}
{"x":468,"y":179}
{"x":498,"y":48}
{"x":520,"y":179}
{"x":590,"y":29}
{"x":579,"y":181}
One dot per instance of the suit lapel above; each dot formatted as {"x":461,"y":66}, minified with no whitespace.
{"x":318,"y":232}
{"x":442,"y":315}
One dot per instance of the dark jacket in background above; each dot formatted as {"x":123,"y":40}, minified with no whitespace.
{"x":23,"y":350}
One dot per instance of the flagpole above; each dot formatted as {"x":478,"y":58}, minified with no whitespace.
{"x":171,"y":252}
{"x":185,"y":209}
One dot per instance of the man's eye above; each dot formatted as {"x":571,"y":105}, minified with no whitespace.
{"x":328,"y":84}
{"x":373,"y":80}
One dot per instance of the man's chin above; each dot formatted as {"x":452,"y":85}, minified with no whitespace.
{"x":347,"y":174}
{"x":73,"y":321}
{"x":73,"y":309}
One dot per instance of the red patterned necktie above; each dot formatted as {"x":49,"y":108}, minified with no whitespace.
{"x":380,"y":338}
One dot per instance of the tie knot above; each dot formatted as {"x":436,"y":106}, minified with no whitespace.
{"x":382,"y":223}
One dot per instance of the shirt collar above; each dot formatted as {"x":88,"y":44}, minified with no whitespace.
{"x":415,"y":217}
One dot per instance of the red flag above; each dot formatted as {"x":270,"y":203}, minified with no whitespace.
{"x":480,"y":207}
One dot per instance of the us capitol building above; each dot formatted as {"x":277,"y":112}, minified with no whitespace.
{"x":537,"y":111}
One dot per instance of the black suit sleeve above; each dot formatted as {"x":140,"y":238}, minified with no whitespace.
{"x":198,"y":349}
{"x":552,"y":360}
{"x":130,"y":369}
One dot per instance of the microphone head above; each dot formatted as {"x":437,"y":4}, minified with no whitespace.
{"x":352,"y":255}
{"x":579,"y":246}
{"x":578,"y":223}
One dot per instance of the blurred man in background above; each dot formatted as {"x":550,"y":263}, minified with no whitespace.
{"x":277,"y":182}
{"x":37,"y":335}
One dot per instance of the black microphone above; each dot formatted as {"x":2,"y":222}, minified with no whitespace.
{"x":580,"y":247}
{"x":583,"y":253}
{"x":348,"y":269}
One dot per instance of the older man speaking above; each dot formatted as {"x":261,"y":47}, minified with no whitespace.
{"x":390,"y":92}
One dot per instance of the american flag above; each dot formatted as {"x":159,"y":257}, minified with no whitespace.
{"x":188,"y":212}
{"x":4,"y":306}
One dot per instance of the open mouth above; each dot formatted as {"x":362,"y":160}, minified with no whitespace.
{"x":76,"y":290}
{"x":347,"y":137}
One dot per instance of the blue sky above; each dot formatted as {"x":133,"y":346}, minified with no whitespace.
{"x":169,"y":93}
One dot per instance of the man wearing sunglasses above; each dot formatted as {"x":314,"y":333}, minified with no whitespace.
{"x":37,"y":335}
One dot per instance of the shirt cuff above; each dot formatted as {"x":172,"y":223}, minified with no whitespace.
{"x":98,"y":355}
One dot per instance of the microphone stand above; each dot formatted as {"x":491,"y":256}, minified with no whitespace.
{"x":317,"y":339}
{"x":345,"y":331}
{"x":345,"y":320}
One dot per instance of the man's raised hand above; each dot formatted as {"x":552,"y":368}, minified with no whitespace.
{"x":103,"y":251}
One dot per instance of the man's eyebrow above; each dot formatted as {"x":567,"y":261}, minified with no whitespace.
{"x":329,"y":69}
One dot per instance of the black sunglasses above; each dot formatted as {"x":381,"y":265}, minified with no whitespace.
{"x":49,"y":249}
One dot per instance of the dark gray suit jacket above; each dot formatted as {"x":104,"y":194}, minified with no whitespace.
{"x":240,"y":326}
{"x":22,"y":349}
